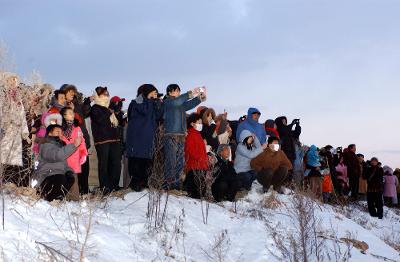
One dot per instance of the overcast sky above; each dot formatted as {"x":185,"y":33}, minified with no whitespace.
{"x":333,"y":64}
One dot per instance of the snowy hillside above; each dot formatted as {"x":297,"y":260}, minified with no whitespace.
{"x":259,"y":228}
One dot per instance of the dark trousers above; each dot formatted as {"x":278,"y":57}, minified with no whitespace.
{"x":354,"y":182}
{"x":247,"y":179}
{"x":375,"y":204}
{"x":268,"y":177}
{"x":225,"y":188}
{"x":195,"y":184}
{"x":109,"y":165}
{"x":83,"y":178}
{"x":139,"y":171}
{"x":56,"y":186}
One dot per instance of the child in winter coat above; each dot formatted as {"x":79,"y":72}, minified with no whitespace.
{"x":47,"y":119}
{"x":313,"y":171}
{"x":249,"y":147}
{"x":71,"y":131}
{"x":196,"y":158}
{"x":341,"y":178}
{"x":389,"y":187}
{"x":327,"y":186}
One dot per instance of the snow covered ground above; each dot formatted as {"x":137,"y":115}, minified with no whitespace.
{"x":117,"y":229}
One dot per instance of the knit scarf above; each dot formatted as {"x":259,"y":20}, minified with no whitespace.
{"x":102,"y":100}
{"x":105,"y":102}
{"x":68,"y":129}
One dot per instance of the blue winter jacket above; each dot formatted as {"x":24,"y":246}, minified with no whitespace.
{"x":253,"y":126}
{"x":313,"y":157}
{"x":143,"y":117}
{"x":175,"y":112}
{"x":244,"y":155}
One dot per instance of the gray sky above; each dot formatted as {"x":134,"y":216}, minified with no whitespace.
{"x":333,"y":64}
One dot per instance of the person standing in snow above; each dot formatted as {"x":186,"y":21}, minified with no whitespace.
{"x":71,"y":131}
{"x":196,"y":158}
{"x":59,"y":101}
{"x":251,"y":124}
{"x":53,"y":176}
{"x":107,"y":141}
{"x":175,"y":107}
{"x":389,"y":187}
{"x":342,"y":180}
{"x":288,"y":136}
{"x":271,"y":128}
{"x":82,"y":109}
{"x":227,"y":182}
{"x":249,"y":147}
{"x":374,"y":177}
{"x":353,"y":170}
{"x":210,"y":129}
{"x":144,"y":114}
{"x":272,"y":166}
{"x":362,"y":188}
{"x":313,"y":172}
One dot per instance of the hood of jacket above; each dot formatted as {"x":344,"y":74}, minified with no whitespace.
{"x":245,"y":134}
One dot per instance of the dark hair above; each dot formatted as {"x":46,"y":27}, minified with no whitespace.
{"x":192,"y":118}
{"x":360,"y":155}
{"x":272,"y":139}
{"x":146,"y":89}
{"x":172,"y":88}
{"x":101,"y":90}
{"x":58,"y":92}
{"x":62,"y":113}
{"x":67,"y":87}
{"x":351,"y":146}
{"x":245,"y":142}
{"x":50,"y":128}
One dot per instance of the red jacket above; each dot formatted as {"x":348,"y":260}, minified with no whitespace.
{"x":195,"y":151}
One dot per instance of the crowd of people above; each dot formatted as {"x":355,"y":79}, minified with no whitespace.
{"x":202,"y":152}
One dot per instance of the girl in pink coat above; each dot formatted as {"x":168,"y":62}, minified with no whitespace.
{"x":71,"y":131}
{"x":342,"y":178}
{"x":389,"y":189}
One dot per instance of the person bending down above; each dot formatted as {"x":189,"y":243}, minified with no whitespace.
{"x":272,"y":166}
{"x":53,"y":177}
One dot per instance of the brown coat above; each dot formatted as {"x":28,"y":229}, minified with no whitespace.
{"x":270,"y":159}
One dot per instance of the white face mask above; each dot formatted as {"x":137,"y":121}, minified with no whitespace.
{"x":276,"y":147}
{"x":199,"y":127}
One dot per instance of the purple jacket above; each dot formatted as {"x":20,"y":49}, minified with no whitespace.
{"x":391,"y":183}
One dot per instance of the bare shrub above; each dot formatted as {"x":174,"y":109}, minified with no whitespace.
{"x":157,"y":204}
{"x":302,"y":243}
{"x":219,"y":248}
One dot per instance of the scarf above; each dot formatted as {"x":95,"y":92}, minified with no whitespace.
{"x":69,"y":126}
{"x":105,"y":102}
